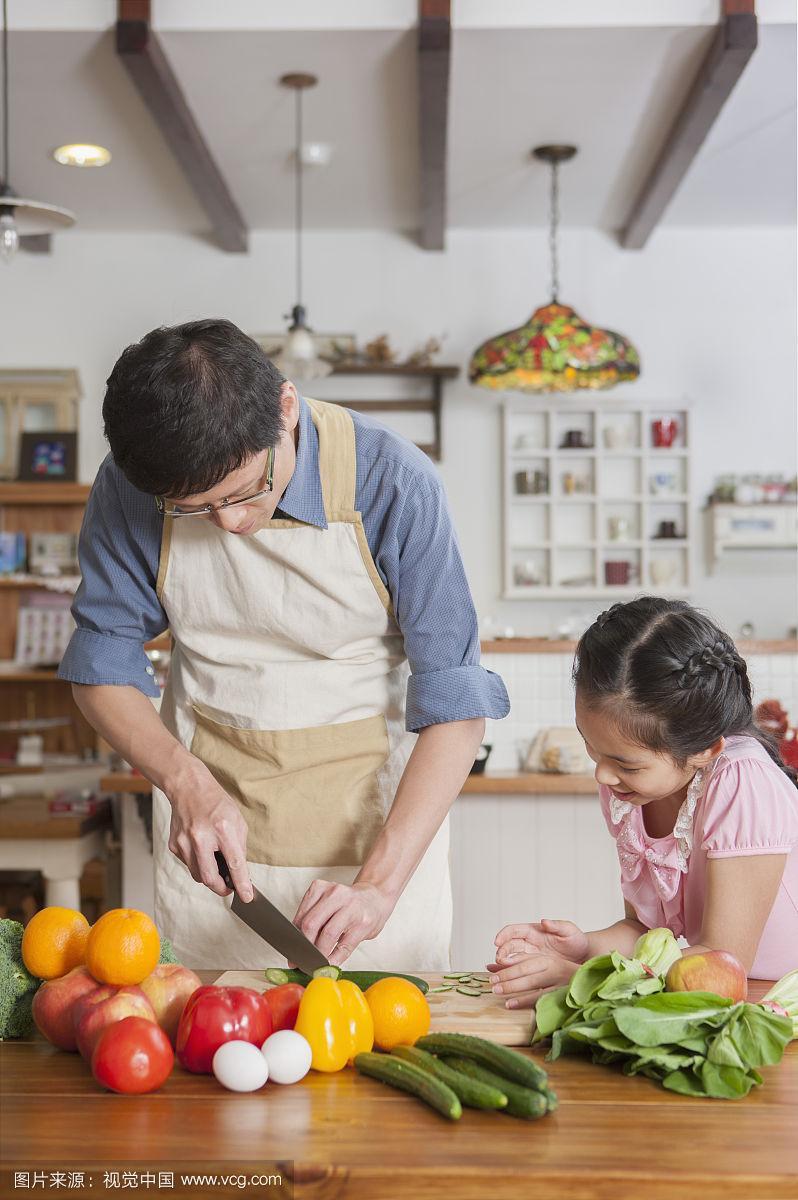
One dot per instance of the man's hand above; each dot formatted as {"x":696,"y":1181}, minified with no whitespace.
{"x":526,"y":980}
{"x":337,"y":917}
{"x":206,"y":819}
{"x":561,"y":938}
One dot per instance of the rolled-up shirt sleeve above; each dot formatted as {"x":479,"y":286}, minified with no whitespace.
{"x":116,"y":608}
{"x":420,"y":560}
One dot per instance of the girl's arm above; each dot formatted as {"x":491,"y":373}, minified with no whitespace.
{"x":740,"y":894}
{"x":620,"y":936}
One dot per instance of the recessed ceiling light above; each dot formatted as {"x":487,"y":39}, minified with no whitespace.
{"x":82,"y":154}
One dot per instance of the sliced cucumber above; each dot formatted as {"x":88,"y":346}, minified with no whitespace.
{"x":327,"y":973}
{"x":410,"y":1078}
{"x":465,"y":990}
{"x":278,"y":975}
{"x":506,"y":1062}
{"x":453,"y":975}
{"x":362,"y":979}
{"x":472,"y":1092}
{"x":444,"y":987}
{"x":521,"y":1101}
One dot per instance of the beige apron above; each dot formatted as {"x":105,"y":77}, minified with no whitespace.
{"x":288,"y":680}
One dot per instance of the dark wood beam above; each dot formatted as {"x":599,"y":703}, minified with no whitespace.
{"x":733,"y":45}
{"x":434,"y":56}
{"x":140,"y":49}
{"x":36,"y":243}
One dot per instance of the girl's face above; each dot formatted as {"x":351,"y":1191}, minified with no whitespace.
{"x":632,"y":772}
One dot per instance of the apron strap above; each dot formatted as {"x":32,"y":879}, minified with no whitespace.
{"x":337,"y":462}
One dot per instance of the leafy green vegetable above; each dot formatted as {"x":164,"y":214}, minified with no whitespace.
{"x":784,"y":995}
{"x":694,"y":1043}
{"x":17,"y":985}
{"x":658,"y":949}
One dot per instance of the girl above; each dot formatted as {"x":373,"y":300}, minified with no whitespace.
{"x":703,"y":811}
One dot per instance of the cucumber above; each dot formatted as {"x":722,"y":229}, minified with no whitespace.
{"x":362,"y":979}
{"x":327,"y":973}
{"x":552,"y":1103}
{"x":521,"y":1101}
{"x":444,"y":987}
{"x":501,"y":1059}
{"x":409,"y":1078}
{"x":466,"y":990}
{"x":471,"y":1091}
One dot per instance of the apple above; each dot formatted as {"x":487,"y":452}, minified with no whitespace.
{"x":95,"y":1011}
{"x":714,"y":971}
{"x":167,"y":988}
{"x":54,"y":1004}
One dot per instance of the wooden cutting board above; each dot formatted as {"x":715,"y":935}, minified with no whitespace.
{"x":483,"y":1016}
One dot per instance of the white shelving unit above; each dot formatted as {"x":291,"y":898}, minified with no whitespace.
{"x":571,"y":509}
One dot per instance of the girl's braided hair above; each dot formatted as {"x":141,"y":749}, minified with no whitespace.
{"x":669,"y":678}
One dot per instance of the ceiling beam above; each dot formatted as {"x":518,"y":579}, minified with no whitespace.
{"x":434,"y":56}
{"x":140,"y":49}
{"x":726,"y":59}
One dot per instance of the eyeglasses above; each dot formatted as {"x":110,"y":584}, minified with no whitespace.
{"x":174,"y":510}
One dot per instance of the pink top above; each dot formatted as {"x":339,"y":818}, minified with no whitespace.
{"x":740,"y":804}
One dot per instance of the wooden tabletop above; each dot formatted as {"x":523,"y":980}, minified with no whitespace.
{"x":492,"y":783}
{"x":344,"y":1136}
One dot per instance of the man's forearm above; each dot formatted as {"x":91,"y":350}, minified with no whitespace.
{"x":432,"y":780}
{"x":128,"y":722}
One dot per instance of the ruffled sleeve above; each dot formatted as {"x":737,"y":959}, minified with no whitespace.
{"x":749,"y":807}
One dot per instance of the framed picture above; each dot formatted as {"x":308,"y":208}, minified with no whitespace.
{"x":48,"y":457}
{"x":53,"y":554}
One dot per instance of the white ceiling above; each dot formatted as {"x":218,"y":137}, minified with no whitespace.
{"x":611,"y":90}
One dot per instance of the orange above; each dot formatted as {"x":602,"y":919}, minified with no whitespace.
{"x":400,"y":1011}
{"x":54,"y":942}
{"x":123,"y":947}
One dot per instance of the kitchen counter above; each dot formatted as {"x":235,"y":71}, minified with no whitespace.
{"x":346,"y":1136}
{"x":530,"y":783}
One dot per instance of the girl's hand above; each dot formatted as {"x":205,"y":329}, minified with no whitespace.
{"x":525,"y":981}
{"x":561,"y":938}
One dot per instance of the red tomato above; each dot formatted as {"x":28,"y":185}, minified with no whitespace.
{"x":215,"y":1015}
{"x":133,"y":1055}
{"x":283,"y":1004}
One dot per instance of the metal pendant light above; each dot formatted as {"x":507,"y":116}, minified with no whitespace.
{"x":555,"y":351}
{"x":298,"y":358}
{"x":19,"y":216}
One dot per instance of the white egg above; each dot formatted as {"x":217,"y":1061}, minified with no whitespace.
{"x":287,"y":1055}
{"x":240,"y":1067}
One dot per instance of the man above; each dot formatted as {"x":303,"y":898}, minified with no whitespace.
{"x":325,"y":699}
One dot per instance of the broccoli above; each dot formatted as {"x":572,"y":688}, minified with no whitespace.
{"x":167,"y":952}
{"x":17,"y":985}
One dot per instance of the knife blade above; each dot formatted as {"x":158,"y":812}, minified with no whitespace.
{"x":273,"y":926}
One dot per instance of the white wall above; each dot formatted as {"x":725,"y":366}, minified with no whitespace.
{"x":713,"y":315}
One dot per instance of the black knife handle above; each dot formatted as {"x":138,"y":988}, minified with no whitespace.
{"x":224,"y":870}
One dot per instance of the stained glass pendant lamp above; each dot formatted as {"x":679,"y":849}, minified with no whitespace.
{"x":555,"y":351}
{"x":298,"y":359}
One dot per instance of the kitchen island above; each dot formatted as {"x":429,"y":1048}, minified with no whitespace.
{"x":346,"y":1136}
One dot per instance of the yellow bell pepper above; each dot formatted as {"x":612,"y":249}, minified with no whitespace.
{"x":336,"y":1020}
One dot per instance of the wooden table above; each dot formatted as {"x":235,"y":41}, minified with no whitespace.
{"x":346,"y":1136}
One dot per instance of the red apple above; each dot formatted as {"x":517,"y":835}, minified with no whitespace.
{"x":54,"y":1004}
{"x":167,"y":988}
{"x":97,"y":1010}
{"x":715,"y":971}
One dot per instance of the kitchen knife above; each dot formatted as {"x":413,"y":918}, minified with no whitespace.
{"x":270,"y":924}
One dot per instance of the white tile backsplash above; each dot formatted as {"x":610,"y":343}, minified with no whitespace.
{"x":541,"y":694}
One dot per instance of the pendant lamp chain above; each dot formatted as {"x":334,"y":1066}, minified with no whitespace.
{"x":5,"y":176}
{"x":554,"y":223}
{"x":297,"y":193}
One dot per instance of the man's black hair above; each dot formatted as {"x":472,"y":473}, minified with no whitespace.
{"x":188,"y":404}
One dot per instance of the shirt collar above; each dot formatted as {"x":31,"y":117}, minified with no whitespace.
{"x":303,"y":499}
